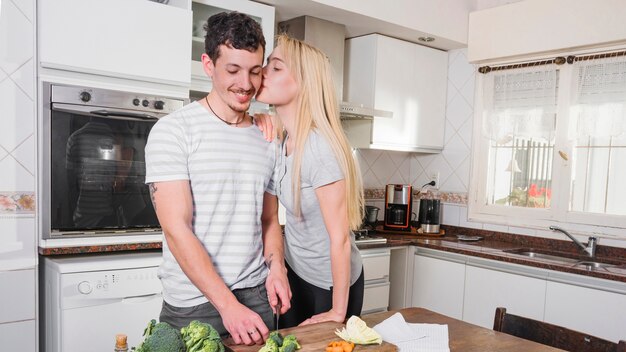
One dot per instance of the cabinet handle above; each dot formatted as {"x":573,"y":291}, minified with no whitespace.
{"x":563,"y":155}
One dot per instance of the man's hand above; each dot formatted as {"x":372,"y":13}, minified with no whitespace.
{"x":277,"y":286}
{"x":244,"y":325}
{"x":266,"y":125}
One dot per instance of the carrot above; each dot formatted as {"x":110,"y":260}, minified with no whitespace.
{"x":340,"y":346}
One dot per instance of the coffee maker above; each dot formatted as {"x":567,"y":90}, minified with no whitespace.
{"x":398,"y":200}
{"x":429,"y":210}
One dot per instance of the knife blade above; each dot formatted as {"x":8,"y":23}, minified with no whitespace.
{"x":278,"y":307}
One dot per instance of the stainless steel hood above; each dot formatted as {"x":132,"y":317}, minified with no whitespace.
{"x":330,"y":38}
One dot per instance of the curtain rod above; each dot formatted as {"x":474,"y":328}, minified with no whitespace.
{"x":559,"y":60}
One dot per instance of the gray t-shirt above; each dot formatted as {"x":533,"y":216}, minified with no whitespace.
{"x":229,"y":169}
{"x":307,"y":242}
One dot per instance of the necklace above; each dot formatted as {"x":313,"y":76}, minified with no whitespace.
{"x":221,"y":119}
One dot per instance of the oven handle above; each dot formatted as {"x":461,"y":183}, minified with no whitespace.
{"x":136,"y":115}
{"x":114,"y":114}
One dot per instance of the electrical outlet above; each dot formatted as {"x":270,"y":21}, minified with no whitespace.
{"x":434,"y":176}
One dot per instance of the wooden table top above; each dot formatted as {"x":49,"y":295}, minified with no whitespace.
{"x":463,"y":336}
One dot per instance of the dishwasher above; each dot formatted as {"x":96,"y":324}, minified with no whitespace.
{"x":91,"y":298}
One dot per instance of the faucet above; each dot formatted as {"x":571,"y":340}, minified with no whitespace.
{"x":590,"y":248}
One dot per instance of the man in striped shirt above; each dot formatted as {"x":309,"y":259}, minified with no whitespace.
{"x":209,"y":170}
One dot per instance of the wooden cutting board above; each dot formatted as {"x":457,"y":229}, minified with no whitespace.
{"x":314,"y":337}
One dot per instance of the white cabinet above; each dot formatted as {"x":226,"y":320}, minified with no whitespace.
{"x":596,"y":312}
{"x":407,"y":79}
{"x":376,"y":272}
{"x":19,"y":336}
{"x":438,"y":283}
{"x":401,"y":277}
{"x":142,"y":40}
{"x":202,"y":10}
{"x":487,"y":289}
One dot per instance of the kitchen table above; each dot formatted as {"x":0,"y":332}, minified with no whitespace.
{"x":463,"y":336}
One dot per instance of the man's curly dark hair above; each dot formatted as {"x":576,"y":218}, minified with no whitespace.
{"x":234,"y":29}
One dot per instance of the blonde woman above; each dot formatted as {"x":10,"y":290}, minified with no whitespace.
{"x":318,"y":182}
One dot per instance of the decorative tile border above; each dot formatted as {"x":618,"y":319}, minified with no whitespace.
{"x":446,"y":197}
{"x":17,"y":202}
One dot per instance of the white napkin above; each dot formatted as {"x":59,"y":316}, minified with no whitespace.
{"x":414,"y":337}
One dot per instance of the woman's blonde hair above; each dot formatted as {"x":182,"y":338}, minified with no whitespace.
{"x":318,"y":109}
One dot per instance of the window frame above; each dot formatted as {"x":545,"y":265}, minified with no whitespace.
{"x":541,"y":218}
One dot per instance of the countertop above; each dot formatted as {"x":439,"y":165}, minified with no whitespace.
{"x":491,"y":246}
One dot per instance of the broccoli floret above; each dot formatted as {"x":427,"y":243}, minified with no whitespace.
{"x":270,"y":346}
{"x":277,"y":337}
{"x":201,"y":337}
{"x":161,"y":337}
{"x":290,"y":344}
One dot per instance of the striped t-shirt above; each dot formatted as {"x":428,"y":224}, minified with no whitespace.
{"x":228,"y":169}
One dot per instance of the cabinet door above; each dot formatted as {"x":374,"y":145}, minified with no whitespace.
{"x":394,"y":91}
{"x":20,"y":336}
{"x":438,"y":285}
{"x":486,"y":289}
{"x":17,"y":295}
{"x":128,"y":39}
{"x":596,"y":312}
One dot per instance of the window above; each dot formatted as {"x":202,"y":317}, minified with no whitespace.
{"x":550,"y":144}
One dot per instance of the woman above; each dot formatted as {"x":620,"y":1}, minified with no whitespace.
{"x":318,"y":182}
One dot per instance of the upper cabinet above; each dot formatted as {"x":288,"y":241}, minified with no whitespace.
{"x":202,"y":10}
{"x":132,"y":39}
{"x":405,"y":78}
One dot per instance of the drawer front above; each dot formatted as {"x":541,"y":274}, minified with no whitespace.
{"x":20,"y":336}
{"x":376,"y":298}
{"x":376,"y":265}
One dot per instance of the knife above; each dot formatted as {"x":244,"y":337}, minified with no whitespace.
{"x":278,"y":307}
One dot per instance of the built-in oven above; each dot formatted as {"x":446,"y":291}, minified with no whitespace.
{"x":93,"y":163}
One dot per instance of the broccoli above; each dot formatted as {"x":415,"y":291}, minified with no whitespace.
{"x":290,"y":344}
{"x":161,"y":337}
{"x":270,"y":346}
{"x":277,"y":337}
{"x":201,"y":337}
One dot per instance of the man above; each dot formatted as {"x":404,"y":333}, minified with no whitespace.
{"x":209,"y":170}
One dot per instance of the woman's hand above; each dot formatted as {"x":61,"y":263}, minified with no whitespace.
{"x":266,"y":125}
{"x":331,"y":315}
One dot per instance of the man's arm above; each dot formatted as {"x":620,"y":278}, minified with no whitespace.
{"x":174,"y":207}
{"x":273,"y":250}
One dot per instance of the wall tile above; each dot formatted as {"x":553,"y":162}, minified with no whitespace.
{"x":18,"y":114}
{"x":27,"y":7}
{"x":3,"y":75}
{"x":24,"y":78}
{"x":25,"y":154}
{"x":14,"y":177}
{"x":450,"y":214}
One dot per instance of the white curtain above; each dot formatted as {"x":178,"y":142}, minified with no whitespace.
{"x":598,"y":106}
{"x":520,"y":103}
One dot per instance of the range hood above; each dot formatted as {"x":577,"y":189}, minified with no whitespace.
{"x":330,"y":38}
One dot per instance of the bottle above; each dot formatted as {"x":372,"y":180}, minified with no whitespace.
{"x":120,"y":343}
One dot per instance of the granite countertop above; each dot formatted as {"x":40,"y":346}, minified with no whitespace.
{"x":492,"y":246}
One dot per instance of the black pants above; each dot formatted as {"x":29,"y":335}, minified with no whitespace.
{"x":308,"y":300}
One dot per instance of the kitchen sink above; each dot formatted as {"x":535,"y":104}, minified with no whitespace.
{"x":543,"y":254}
{"x":590,"y":265}
{"x":563,"y":258}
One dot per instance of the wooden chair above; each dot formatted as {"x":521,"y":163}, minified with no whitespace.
{"x":552,"y":335}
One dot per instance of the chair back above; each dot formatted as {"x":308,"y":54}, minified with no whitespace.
{"x":552,"y":335}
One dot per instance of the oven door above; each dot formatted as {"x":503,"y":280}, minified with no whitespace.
{"x":96,"y":165}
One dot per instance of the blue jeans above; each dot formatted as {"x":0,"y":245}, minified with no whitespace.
{"x":254,"y":298}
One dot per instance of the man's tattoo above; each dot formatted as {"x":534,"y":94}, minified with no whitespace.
{"x":268,"y":262}
{"x":153,"y":189}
